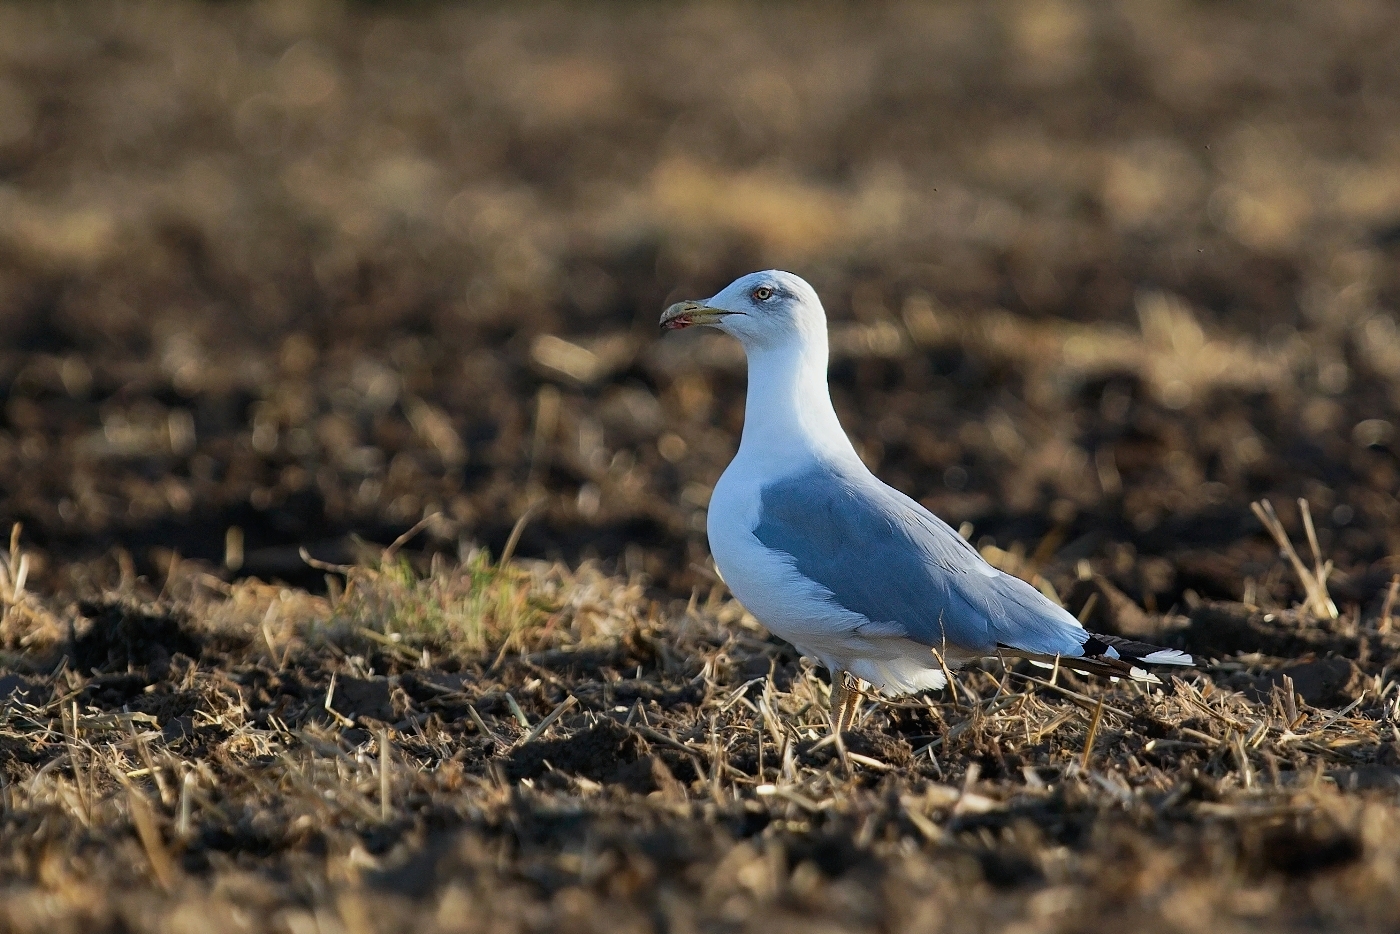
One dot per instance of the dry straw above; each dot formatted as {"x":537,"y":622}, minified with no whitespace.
{"x":693,"y":717}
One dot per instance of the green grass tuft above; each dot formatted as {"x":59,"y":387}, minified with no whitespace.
{"x":476,"y":606}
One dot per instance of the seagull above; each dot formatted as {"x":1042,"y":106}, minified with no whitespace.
{"x":847,"y":569}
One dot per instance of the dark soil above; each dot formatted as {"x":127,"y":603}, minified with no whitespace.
{"x":298,"y":275}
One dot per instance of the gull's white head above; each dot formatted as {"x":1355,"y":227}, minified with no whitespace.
{"x":763,"y":309}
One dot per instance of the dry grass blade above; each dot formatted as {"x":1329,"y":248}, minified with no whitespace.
{"x":868,"y":762}
{"x":1306,"y":511}
{"x":147,"y":832}
{"x":547,"y":405}
{"x":948,"y":681}
{"x":162,"y":866}
{"x":549,"y":719}
{"x":1327,"y":724}
{"x":386,"y":766}
{"x":407,"y":537}
{"x":656,"y":736}
{"x":323,"y":565}
{"x":160,"y":859}
{"x":182,"y":823}
{"x":517,"y":530}
{"x":1093,"y":734}
{"x":516,"y":712}
{"x":1389,"y":606}
{"x":1319,"y":603}
{"x":481,"y":726}
{"x":336,"y":715}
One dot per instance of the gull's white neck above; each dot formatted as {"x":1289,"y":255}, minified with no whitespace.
{"x":788,"y":417}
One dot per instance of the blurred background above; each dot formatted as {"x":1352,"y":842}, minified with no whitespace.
{"x":1099,"y":274}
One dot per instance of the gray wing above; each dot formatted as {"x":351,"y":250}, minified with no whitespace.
{"x":884,"y":556}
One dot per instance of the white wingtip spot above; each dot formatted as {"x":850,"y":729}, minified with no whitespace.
{"x":1142,"y":674}
{"x":1168,"y":657}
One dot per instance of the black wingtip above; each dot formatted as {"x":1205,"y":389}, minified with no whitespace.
{"x":1100,"y":645}
{"x":1112,"y":657}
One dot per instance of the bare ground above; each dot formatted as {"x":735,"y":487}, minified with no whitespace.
{"x":294,"y":276}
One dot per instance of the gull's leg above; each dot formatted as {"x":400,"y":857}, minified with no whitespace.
{"x":848,"y":715}
{"x":840,"y":699}
{"x":843,"y":700}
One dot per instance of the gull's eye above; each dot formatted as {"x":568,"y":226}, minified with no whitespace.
{"x":762,"y":293}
